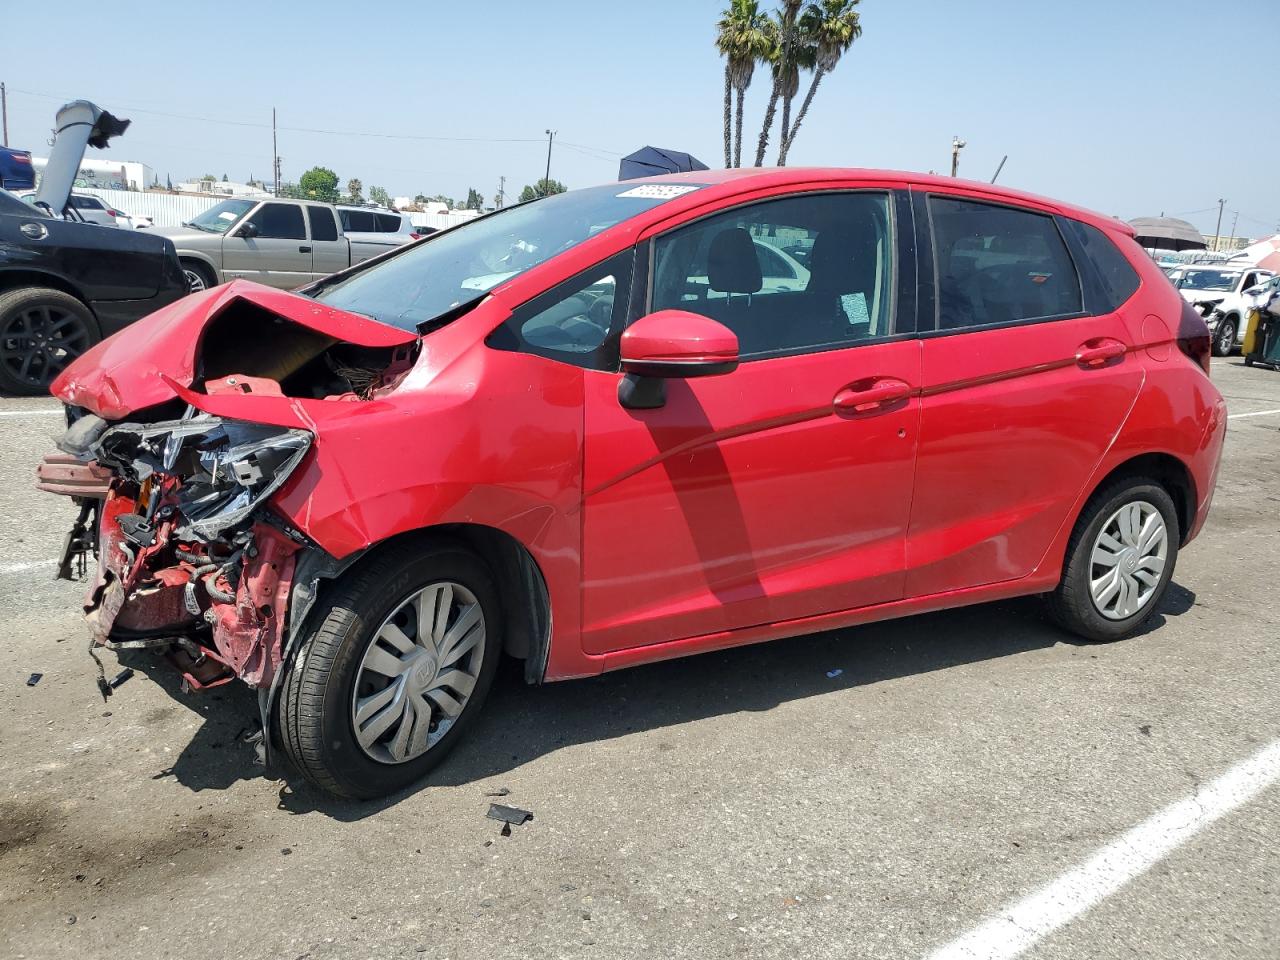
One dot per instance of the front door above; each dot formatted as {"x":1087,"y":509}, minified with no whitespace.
{"x":329,"y":252}
{"x":1024,"y":391}
{"x":279,"y":255}
{"x":780,"y":490}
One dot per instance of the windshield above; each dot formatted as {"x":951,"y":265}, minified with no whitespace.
{"x":1208,"y":280}
{"x":461,"y":265}
{"x":218,"y":218}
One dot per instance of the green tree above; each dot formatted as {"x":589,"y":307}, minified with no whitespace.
{"x":355,"y":191}
{"x":318,"y":183}
{"x":224,"y":178}
{"x":742,"y":39}
{"x":788,"y":51}
{"x":831,"y":26}
{"x":380,"y":196}
{"x":543,"y":188}
{"x":474,"y":200}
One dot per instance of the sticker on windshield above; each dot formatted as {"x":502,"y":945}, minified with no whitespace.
{"x":659,"y":191}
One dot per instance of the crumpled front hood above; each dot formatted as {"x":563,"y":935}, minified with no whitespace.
{"x":151,"y":361}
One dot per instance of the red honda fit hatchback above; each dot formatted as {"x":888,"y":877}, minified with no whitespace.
{"x":634,"y":422}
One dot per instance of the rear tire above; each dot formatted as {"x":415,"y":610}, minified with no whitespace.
{"x":42,"y":330}
{"x":1224,"y":338}
{"x":1110,"y":584}
{"x":341,"y":670}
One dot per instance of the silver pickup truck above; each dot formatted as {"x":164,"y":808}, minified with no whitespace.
{"x":282,"y":243}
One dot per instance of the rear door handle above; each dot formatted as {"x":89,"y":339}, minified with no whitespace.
{"x":867,"y":397}
{"x":304,"y":249}
{"x":1098,"y":353}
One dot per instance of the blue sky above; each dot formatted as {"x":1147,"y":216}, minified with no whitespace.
{"x":1070,"y":91}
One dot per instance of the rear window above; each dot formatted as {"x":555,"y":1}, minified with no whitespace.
{"x":388,"y":222}
{"x":86,"y":203}
{"x":1116,"y":276}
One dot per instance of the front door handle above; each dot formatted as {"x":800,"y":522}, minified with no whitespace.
{"x":868,"y":396}
{"x":1098,"y":353}
{"x":304,"y":249}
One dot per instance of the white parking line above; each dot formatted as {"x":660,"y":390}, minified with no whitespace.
{"x":23,"y":567}
{"x":1020,"y":925}
{"x":31,"y":413}
{"x":1256,"y":413}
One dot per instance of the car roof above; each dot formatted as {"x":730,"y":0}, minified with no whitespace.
{"x":749,"y":178}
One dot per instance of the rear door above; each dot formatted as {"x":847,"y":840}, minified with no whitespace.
{"x":280,"y":254}
{"x":780,"y":490}
{"x":1024,"y":390}
{"x":330,"y":252}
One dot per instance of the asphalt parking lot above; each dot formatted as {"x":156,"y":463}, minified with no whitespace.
{"x":745,"y":803}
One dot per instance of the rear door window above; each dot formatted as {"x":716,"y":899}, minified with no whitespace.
{"x":279,"y":221}
{"x":323,"y":226}
{"x":358,"y":221}
{"x":999,"y":265}
{"x":388,"y":222}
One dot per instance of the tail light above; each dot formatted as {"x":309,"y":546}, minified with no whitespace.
{"x":417,"y":236}
{"x":1194,"y":338}
{"x":22,"y":158}
{"x":115,"y":213}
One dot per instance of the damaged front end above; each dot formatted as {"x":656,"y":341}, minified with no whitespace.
{"x":186,"y":560}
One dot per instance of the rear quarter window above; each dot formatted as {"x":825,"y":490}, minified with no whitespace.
{"x":1117,"y":279}
{"x":388,"y":222}
{"x":358,"y":221}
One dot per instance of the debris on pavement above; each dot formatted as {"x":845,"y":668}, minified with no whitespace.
{"x":509,"y":816}
{"x":34,"y":679}
{"x":500,"y":792}
{"x":120,"y":678}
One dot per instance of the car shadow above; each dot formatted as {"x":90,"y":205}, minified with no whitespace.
{"x":522,"y":723}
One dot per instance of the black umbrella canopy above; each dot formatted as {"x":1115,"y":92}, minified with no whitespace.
{"x":652,"y":161}
{"x":1167,"y":233}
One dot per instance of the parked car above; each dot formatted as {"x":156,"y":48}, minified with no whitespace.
{"x":1229,"y":316}
{"x":64,"y":285}
{"x":358,"y":496}
{"x":88,"y":208}
{"x":376,"y":225}
{"x":16,"y":171}
{"x":281,"y":243}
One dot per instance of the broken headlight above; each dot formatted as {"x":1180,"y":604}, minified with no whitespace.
{"x":211,"y":471}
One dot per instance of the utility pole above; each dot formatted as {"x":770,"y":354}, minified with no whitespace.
{"x":275,"y":156}
{"x":4,"y":111}
{"x":502,"y":192}
{"x":956,"y":146}
{"x":1231,"y":244}
{"x":1217,"y":231}
{"x":546,"y":181}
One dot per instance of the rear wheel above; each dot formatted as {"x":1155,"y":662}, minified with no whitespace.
{"x":1224,"y":338}
{"x":41,"y":331}
{"x":395,"y":669}
{"x":1119,"y":561}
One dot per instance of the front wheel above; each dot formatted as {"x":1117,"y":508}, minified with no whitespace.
{"x":198,"y":276}
{"x":1224,"y":338}
{"x":396,"y":666}
{"x":1119,"y":561}
{"x":41,"y":331}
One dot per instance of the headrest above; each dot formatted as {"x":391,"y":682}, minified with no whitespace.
{"x":732,"y":263}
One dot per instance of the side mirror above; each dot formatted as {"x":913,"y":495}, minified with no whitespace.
{"x":668,"y":345}
{"x":247,"y":231}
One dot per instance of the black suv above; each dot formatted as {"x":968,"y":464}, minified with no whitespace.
{"x":64,"y":285}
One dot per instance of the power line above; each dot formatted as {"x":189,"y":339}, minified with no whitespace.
{"x":322,"y":131}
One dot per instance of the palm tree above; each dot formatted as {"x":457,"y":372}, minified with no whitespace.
{"x":831,"y":26}
{"x":742,"y":41}
{"x":786,"y":49}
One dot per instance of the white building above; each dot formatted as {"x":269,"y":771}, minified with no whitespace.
{"x":107,"y":174}
{"x":222,"y":188}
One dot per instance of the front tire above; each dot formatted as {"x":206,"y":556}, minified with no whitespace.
{"x":198,"y":276}
{"x":1224,"y":338}
{"x":1120,"y":559}
{"x":393,"y":669}
{"x":41,"y":331}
